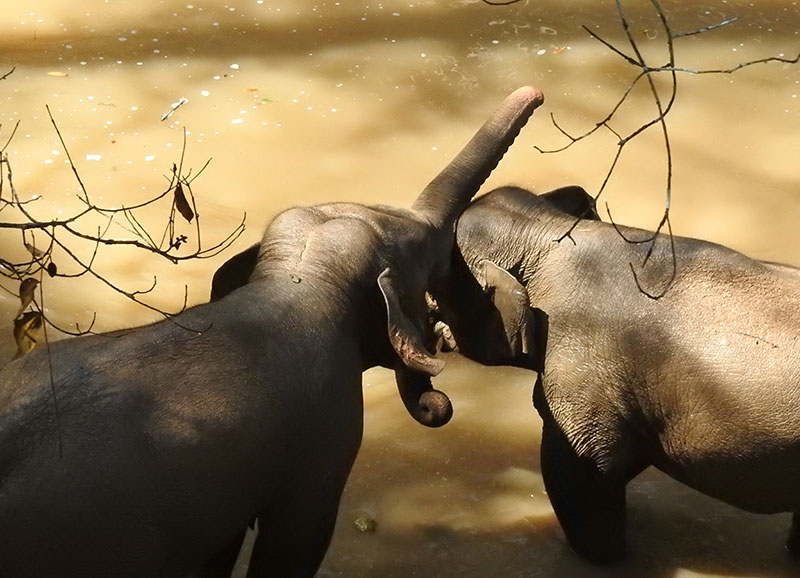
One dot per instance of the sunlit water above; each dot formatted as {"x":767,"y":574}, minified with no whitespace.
{"x":300,"y":102}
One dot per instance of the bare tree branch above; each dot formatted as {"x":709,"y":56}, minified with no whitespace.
{"x":663,"y":105}
{"x":66,"y":237}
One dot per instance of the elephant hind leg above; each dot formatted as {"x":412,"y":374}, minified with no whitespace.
{"x":589,"y":506}
{"x":793,"y":542}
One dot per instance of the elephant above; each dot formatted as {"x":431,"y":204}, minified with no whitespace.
{"x":147,"y":452}
{"x":703,"y":383}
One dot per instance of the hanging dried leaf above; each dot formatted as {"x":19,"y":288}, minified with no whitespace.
{"x":27,"y":290}
{"x":27,"y":330}
{"x":182,"y":204}
{"x":34,"y":251}
{"x":52,"y":270}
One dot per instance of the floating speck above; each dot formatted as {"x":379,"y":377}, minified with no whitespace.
{"x":92,"y":157}
{"x":541,"y":52}
{"x":234,"y":67}
{"x":236,"y":121}
{"x":204,"y":93}
{"x":149,"y":158}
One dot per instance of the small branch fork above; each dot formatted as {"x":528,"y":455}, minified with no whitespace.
{"x":48,"y":241}
{"x":663,"y":106}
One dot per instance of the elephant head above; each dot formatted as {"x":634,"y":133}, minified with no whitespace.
{"x":486,"y":303}
{"x":376,"y":263}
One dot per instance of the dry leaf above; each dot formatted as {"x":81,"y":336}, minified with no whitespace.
{"x":182,"y":204}
{"x":27,"y":330}
{"x":27,"y":290}
{"x":52,"y":270}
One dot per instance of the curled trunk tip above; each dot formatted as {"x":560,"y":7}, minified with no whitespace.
{"x":430,"y":407}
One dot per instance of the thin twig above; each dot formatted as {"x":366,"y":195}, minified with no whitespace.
{"x":663,"y":108}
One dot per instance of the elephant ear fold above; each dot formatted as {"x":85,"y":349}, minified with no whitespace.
{"x":234,"y":273}
{"x":512,"y":303}
{"x":406,"y":338}
{"x":573,"y":200}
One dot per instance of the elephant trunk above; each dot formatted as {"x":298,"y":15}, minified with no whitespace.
{"x":449,"y":193}
{"x":428,"y":406}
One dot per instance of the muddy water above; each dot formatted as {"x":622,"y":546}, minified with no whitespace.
{"x":299,"y":102}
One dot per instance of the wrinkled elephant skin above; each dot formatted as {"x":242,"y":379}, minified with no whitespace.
{"x":703,"y":383}
{"x":153,"y":449}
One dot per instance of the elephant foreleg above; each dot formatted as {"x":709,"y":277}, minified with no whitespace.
{"x":589,"y":506}
{"x":793,"y":542}
{"x":294,"y":536}
{"x":221,"y":565}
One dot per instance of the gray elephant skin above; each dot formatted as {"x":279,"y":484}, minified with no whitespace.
{"x":153,"y":449}
{"x":703,"y":383}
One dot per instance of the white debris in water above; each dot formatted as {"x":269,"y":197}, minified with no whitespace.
{"x":92,"y":157}
{"x":234,"y":67}
{"x":541,"y":52}
{"x":237,"y":121}
{"x":204,"y":93}
{"x":149,"y":158}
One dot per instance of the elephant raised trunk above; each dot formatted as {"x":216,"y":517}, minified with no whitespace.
{"x":449,"y":193}
{"x":441,"y":203}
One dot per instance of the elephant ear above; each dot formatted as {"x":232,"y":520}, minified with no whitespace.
{"x":573,"y":200}
{"x":405,"y":336}
{"x":234,"y":273}
{"x":512,"y":303}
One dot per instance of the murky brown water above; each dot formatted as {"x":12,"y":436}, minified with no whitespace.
{"x":299,"y":102}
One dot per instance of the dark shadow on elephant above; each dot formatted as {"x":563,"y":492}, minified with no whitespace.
{"x":152,"y":449}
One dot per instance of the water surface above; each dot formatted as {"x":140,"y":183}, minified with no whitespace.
{"x":301,"y":102}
